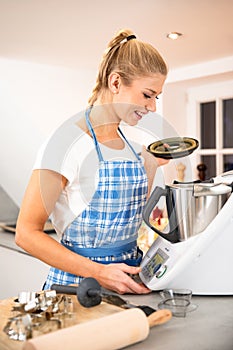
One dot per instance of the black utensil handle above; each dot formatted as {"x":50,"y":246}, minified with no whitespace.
{"x":64,"y":289}
{"x":146,"y":309}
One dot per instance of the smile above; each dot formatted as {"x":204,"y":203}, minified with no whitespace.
{"x":139,"y":114}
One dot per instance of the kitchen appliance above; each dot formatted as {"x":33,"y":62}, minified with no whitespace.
{"x":196,"y":251}
{"x":190,"y":207}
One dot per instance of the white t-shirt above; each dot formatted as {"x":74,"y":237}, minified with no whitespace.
{"x":71,"y":152}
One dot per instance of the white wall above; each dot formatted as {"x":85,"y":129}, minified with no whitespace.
{"x":37,"y":98}
{"x":34,"y":100}
{"x":175,"y":101}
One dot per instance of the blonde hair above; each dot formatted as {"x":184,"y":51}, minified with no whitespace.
{"x":130,"y":58}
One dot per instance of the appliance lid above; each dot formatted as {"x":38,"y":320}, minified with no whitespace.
{"x":174,"y":147}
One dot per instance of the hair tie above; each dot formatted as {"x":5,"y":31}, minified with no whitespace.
{"x":130,"y":37}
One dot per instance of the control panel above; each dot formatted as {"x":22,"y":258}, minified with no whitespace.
{"x":158,"y":260}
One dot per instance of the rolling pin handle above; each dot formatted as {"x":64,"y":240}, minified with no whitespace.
{"x":159,"y":317}
{"x":88,"y":292}
{"x":64,"y":289}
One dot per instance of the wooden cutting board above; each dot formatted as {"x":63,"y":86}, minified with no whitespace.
{"x":82,"y":315}
{"x":102,"y":327}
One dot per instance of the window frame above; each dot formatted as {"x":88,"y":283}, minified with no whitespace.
{"x":202,"y":94}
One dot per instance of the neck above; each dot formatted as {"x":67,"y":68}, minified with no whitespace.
{"x":105,"y":127}
{"x":103,"y":119}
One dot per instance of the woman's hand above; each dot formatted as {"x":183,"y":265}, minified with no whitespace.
{"x":116,"y":277}
{"x":152,"y":160}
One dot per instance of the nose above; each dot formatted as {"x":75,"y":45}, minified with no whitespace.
{"x":151,"y":105}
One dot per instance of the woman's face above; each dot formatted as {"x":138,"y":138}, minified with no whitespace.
{"x":132,"y":103}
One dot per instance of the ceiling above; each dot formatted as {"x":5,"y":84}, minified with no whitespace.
{"x":74,"y":33}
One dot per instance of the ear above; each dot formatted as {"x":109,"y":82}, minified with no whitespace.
{"x":114,"y":82}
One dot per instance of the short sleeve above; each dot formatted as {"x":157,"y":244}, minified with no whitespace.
{"x":62,"y":150}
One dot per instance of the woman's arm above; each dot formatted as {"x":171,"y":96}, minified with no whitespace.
{"x":151,"y":165}
{"x":40,"y":197}
{"x":42,"y":192}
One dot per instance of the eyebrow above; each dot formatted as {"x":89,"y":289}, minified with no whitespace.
{"x":153,"y":92}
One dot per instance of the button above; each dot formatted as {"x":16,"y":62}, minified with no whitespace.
{"x":161,"y":271}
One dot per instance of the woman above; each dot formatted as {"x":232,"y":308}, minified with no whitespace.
{"x":97,"y":217}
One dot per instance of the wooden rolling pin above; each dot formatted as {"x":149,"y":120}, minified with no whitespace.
{"x":107,"y":333}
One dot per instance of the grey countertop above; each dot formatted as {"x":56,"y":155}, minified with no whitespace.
{"x":209,"y":327}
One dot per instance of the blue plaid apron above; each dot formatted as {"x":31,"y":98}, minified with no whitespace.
{"x":106,"y":231}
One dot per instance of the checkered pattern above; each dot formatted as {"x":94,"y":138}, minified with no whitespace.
{"x":61,"y":277}
{"x":114,"y":213}
{"x":112,"y":217}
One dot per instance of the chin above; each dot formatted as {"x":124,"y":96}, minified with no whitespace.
{"x":131,"y":123}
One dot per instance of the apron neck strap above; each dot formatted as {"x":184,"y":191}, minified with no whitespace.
{"x":87,"y":115}
{"x":130,"y":146}
{"x":90,"y":128}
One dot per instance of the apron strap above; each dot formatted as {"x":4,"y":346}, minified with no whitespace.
{"x":130,"y":146}
{"x":87,"y":113}
{"x":102,"y":252}
{"x":100,"y":156}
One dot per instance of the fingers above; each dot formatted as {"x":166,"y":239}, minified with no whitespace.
{"x":116,"y":277}
{"x":133,"y":270}
{"x":148,"y":156}
{"x":137,"y":288}
{"x":161,"y":161}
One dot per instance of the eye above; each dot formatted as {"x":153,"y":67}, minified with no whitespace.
{"x":146,"y":96}
{"x":157,"y":97}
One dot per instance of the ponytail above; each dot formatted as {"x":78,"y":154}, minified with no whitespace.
{"x":130,"y":58}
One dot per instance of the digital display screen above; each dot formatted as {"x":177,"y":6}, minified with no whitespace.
{"x":155,"y":263}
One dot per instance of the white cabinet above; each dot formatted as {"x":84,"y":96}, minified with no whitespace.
{"x":20,"y":272}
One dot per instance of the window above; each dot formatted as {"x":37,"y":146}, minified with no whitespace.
{"x":216,"y":140}
{"x":211,"y":109}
